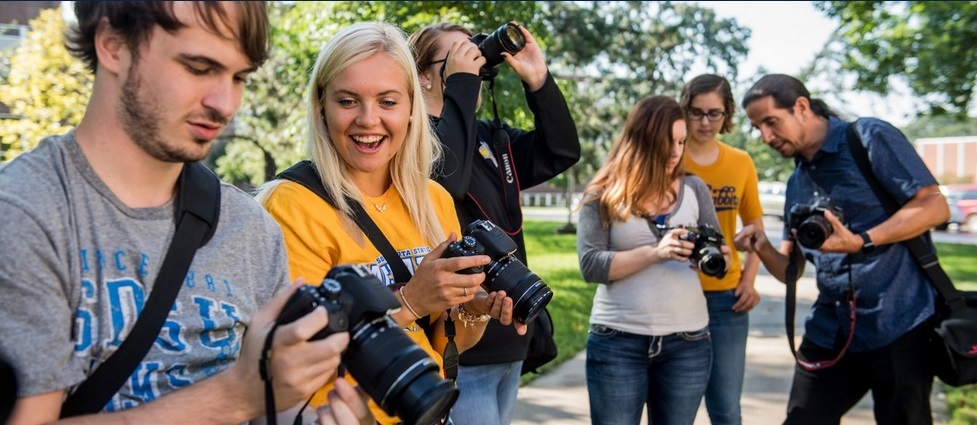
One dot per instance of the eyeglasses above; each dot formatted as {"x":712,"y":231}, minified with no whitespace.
{"x":713,"y":115}
{"x":438,"y":61}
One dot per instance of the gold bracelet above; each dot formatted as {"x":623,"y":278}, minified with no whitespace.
{"x":467,"y":317}
{"x":407,"y":304}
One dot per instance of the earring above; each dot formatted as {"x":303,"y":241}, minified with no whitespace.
{"x":427,"y":87}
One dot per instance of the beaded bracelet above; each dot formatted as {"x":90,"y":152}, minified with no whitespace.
{"x":407,"y":304}
{"x":467,"y":317}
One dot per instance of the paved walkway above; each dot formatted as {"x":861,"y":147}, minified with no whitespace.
{"x":560,"y":396}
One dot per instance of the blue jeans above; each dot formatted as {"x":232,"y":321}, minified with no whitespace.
{"x":728,"y":330}
{"x":487,"y":394}
{"x":625,"y":371}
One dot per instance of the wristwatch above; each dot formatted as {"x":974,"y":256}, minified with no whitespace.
{"x":867,"y":244}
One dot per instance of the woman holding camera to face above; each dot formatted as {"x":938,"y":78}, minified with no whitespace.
{"x":370,"y":141}
{"x":649,"y":336}
{"x":484,"y":168}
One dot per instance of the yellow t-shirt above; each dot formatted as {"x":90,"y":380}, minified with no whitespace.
{"x":316,"y":241}
{"x":732,"y":179}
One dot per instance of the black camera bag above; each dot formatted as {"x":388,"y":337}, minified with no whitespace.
{"x":953,"y":344}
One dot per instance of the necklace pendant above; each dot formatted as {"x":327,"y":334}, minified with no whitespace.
{"x":380,"y":207}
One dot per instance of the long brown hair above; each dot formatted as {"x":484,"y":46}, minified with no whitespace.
{"x":636,"y":170}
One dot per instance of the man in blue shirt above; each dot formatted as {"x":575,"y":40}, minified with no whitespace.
{"x":861,"y":261}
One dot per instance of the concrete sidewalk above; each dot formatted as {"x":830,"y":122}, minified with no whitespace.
{"x":560,"y":396}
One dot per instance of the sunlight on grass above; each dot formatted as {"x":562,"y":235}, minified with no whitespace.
{"x":554,"y":258}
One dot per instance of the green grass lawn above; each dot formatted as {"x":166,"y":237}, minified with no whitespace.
{"x":554,"y":258}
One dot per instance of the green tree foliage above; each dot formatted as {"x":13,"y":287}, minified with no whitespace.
{"x":615,"y":53}
{"x":930,"y":44}
{"x":940,"y":126}
{"x":45,"y":87}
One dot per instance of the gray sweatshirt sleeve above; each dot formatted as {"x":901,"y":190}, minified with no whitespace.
{"x":707,"y":210}
{"x":593,"y":245}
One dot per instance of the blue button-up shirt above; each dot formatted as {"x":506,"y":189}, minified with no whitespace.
{"x":893,"y":294}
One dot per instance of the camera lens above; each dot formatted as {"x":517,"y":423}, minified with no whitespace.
{"x":397,"y":373}
{"x":529,"y":293}
{"x":711,"y":262}
{"x":511,"y":38}
{"x":813,"y":231}
{"x":507,"y":38}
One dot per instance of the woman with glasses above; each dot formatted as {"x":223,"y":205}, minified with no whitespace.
{"x":484,"y":168}
{"x":709,"y":107}
{"x":649,"y":327}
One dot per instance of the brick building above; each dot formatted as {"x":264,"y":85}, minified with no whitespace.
{"x":950,"y":159}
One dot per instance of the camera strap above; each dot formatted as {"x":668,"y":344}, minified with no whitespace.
{"x":197,"y":214}
{"x":791,"y":307}
{"x":305,"y":174}
{"x":925,"y":256}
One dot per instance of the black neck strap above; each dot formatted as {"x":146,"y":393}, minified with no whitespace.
{"x":197,"y":214}
{"x":305,"y":174}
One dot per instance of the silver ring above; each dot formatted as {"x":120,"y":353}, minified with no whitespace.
{"x":466,"y":291}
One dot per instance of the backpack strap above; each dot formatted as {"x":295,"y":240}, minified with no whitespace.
{"x":197,"y":214}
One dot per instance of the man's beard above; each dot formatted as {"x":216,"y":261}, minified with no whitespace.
{"x":141,"y":121}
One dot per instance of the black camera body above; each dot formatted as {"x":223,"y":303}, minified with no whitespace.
{"x":395,"y":371}
{"x":505,"y":273}
{"x":507,"y":38}
{"x":707,"y":253}
{"x":808,"y":220}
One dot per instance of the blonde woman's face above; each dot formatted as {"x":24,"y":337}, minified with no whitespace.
{"x":367,"y":112}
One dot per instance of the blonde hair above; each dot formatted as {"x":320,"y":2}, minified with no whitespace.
{"x":636,"y":170}
{"x":412,"y":165}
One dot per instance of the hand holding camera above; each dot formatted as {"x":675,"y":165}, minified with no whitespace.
{"x":463,"y":56}
{"x":505,"y":273}
{"x":810,"y":225}
{"x":400,"y":377}
{"x":702,"y":246}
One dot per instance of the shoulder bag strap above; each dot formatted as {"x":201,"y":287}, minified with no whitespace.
{"x":925,"y":256}
{"x":305,"y":174}
{"x":198,"y":210}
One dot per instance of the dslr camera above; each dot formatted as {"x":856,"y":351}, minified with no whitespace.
{"x":507,"y":38}
{"x":505,"y":272}
{"x":395,"y":371}
{"x":808,"y":220}
{"x":707,"y":253}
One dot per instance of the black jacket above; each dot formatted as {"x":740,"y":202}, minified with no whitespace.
{"x":474,"y":174}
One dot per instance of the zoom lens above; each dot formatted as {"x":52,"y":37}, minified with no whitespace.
{"x":529,"y":293}
{"x":397,"y":373}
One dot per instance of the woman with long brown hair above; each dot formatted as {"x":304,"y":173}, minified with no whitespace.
{"x":649,"y":336}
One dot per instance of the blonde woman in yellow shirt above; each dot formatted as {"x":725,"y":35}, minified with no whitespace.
{"x":370,"y":140}
{"x":707,"y":102}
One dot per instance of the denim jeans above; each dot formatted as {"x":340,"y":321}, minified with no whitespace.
{"x":728,"y":330}
{"x":487,"y":394}
{"x":625,"y":371}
